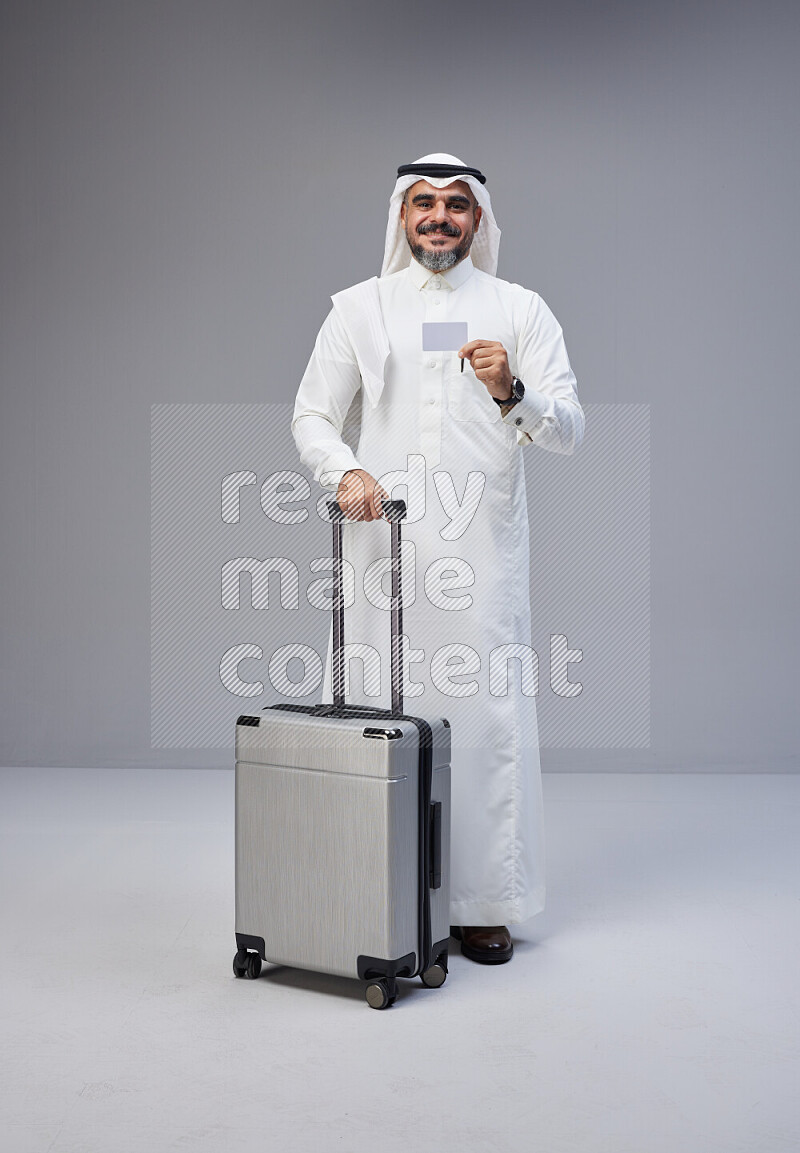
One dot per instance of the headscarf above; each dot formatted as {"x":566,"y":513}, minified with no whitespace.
{"x":486,"y":243}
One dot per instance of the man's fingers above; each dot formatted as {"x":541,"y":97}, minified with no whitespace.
{"x":487,"y":371}
{"x":484,"y":360}
{"x":361,"y":506}
{"x":354,"y":503}
{"x":468,"y":348}
{"x":360,"y":498}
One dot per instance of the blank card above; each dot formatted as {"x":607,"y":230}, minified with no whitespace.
{"x":447,"y":337}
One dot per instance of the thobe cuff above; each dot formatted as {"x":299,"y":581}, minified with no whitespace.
{"x":333,"y":468}
{"x":528,"y":413}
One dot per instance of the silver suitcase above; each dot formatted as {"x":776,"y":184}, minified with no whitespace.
{"x":343,"y":828}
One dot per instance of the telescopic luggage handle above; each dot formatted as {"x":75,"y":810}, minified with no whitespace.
{"x":394,"y":511}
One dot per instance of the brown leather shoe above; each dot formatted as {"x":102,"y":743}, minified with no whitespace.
{"x":487,"y":945}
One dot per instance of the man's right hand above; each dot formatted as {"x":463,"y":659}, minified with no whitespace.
{"x":359,"y":495}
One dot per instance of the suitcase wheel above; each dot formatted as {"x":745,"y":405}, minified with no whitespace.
{"x":434,"y":977}
{"x":380,"y":995}
{"x":247,"y":965}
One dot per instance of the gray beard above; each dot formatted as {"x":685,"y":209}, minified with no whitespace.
{"x":441,"y":260}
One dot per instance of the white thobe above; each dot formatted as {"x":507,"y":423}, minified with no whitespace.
{"x":466,"y":589}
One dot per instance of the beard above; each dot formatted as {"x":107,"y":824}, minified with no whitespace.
{"x":439,"y":260}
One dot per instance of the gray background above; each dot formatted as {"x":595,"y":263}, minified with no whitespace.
{"x":184,"y":185}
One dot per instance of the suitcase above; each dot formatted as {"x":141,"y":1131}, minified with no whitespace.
{"x":343,"y":827}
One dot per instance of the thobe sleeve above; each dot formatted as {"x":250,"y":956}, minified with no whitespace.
{"x":549,"y":414}
{"x":326,"y":392}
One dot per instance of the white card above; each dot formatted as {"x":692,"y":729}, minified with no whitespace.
{"x":446,"y":337}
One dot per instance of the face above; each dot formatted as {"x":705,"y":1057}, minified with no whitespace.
{"x":440,"y":223}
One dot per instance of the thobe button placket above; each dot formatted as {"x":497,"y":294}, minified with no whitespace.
{"x":431,"y":383}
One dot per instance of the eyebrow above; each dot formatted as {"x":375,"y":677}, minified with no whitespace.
{"x":457,"y":198}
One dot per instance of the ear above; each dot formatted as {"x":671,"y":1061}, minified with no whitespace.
{"x":403,"y":213}
{"x":477,"y":216}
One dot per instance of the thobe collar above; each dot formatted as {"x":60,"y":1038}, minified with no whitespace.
{"x":359,"y":309}
{"x":453,"y":278}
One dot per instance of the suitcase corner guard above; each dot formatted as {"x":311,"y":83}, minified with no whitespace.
{"x":371,"y":967}
{"x":245,"y":941}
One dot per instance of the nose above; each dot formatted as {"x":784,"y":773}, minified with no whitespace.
{"x":440,"y":211}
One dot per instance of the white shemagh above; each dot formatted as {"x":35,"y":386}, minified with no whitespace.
{"x":486,"y":244}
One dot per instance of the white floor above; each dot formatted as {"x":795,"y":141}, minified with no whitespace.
{"x":652,"y":1009}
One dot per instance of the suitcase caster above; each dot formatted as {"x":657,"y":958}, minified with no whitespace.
{"x":381,"y":994}
{"x":247,"y":965}
{"x":434,"y":977}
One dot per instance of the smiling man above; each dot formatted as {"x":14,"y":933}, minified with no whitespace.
{"x":371,"y":402}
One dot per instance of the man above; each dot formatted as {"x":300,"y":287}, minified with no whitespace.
{"x":447,"y":426}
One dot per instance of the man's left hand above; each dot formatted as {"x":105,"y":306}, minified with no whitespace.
{"x":489,"y":361}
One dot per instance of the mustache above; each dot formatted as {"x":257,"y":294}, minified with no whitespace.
{"x":446,"y":229}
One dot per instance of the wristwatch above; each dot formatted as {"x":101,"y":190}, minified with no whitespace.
{"x":517,"y":393}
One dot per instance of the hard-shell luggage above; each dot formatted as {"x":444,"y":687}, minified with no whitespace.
{"x":343,"y":827}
